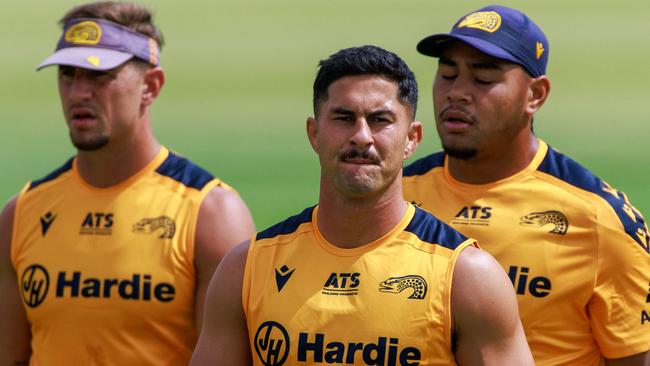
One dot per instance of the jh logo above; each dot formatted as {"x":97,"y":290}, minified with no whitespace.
{"x":34,"y":284}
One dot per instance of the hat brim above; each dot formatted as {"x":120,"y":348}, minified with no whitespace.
{"x":435,"y":44}
{"x":91,"y":58}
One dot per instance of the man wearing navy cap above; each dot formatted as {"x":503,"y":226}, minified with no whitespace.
{"x":575,"y":249}
{"x":106,"y":260}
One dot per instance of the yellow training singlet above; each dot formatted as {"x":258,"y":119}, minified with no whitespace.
{"x":308,"y":302}
{"x":107,"y":275}
{"x":575,"y":249}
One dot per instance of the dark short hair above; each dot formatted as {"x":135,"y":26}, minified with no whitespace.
{"x":131,"y":15}
{"x":366,"y":60}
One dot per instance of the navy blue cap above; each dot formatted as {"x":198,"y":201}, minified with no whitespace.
{"x":498,"y":31}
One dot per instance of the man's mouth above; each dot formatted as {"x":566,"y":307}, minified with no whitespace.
{"x":455,"y":120}
{"x":82,"y":117}
{"x":359,"y":157}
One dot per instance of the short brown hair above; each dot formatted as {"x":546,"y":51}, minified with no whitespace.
{"x":131,"y":15}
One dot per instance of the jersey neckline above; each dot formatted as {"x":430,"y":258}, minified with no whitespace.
{"x":542,"y":149}
{"x":351,"y":252}
{"x":160,"y":157}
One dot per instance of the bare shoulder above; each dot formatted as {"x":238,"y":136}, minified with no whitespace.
{"x":222,"y":200}
{"x":478,"y":280}
{"x":235,"y":260}
{"x":224,"y":221}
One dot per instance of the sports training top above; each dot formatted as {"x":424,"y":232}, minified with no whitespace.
{"x":385,"y":303}
{"x":575,"y":249}
{"x":107,"y":274}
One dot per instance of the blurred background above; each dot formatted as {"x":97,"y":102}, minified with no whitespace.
{"x":239,"y":76}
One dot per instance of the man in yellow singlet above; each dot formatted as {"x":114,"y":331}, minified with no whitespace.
{"x":362,"y":278}
{"x":106,"y":260}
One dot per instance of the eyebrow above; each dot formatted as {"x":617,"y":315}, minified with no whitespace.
{"x":347,"y":112}
{"x":483,"y":65}
{"x":340,"y":110}
{"x":380,"y":112}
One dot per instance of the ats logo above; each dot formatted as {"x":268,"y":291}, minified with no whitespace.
{"x":272,"y":345}
{"x":342,"y":284}
{"x":97,"y":223}
{"x":473,"y":215}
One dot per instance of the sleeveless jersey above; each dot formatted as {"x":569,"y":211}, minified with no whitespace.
{"x":386,"y":303}
{"x":575,"y":249}
{"x":107,"y":274}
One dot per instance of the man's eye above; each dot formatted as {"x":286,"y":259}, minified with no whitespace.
{"x":66,"y":71}
{"x":448,"y":77}
{"x":379,"y":119}
{"x":483,"y":81}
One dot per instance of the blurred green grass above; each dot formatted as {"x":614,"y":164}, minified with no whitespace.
{"x":239,"y":77}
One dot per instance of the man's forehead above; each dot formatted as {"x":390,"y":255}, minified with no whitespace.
{"x":363,"y":94}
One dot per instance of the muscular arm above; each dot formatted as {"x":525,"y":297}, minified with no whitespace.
{"x":15,"y":333}
{"x":641,"y":359}
{"x":223,"y":222}
{"x":224,"y":335}
{"x":484,"y":309}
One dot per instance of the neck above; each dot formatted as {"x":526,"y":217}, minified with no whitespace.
{"x":351,"y":222}
{"x":499,"y":164}
{"x":118,"y":160}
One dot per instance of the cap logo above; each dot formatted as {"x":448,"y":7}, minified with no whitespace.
{"x":540,"y":49}
{"x":87,"y":32}
{"x":488,"y":21}
{"x":94,"y":60}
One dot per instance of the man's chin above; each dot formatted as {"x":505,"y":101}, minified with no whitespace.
{"x":460,"y":153}
{"x":90,"y":144}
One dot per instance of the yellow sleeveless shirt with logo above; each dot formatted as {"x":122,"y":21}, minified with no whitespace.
{"x":575,"y":249}
{"x":308,"y":302}
{"x":107,"y":274}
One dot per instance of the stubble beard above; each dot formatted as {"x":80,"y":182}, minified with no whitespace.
{"x":460,"y":153}
{"x":90,"y":144}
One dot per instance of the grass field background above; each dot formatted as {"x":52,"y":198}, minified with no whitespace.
{"x":239,"y":77}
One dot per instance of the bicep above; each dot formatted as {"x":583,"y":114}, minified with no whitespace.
{"x":484,"y":309}
{"x":14,"y":328}
{"x":224,"y":334}
{"x":223,"y":222}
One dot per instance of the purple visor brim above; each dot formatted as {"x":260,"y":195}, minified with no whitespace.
{"x":87,"y":58}
{"x":97,"y":44}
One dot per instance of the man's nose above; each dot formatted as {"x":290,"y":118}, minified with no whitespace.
{"x":362,"y":135}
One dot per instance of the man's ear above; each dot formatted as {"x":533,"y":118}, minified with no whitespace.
{"x":154,"y":79}
{"x":540,"y":87}
{"x":312,"y":132}
{"x":413,"y":139}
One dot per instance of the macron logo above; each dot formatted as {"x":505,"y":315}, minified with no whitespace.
{"x":282,"y":276}
{"x":46,"y":222}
